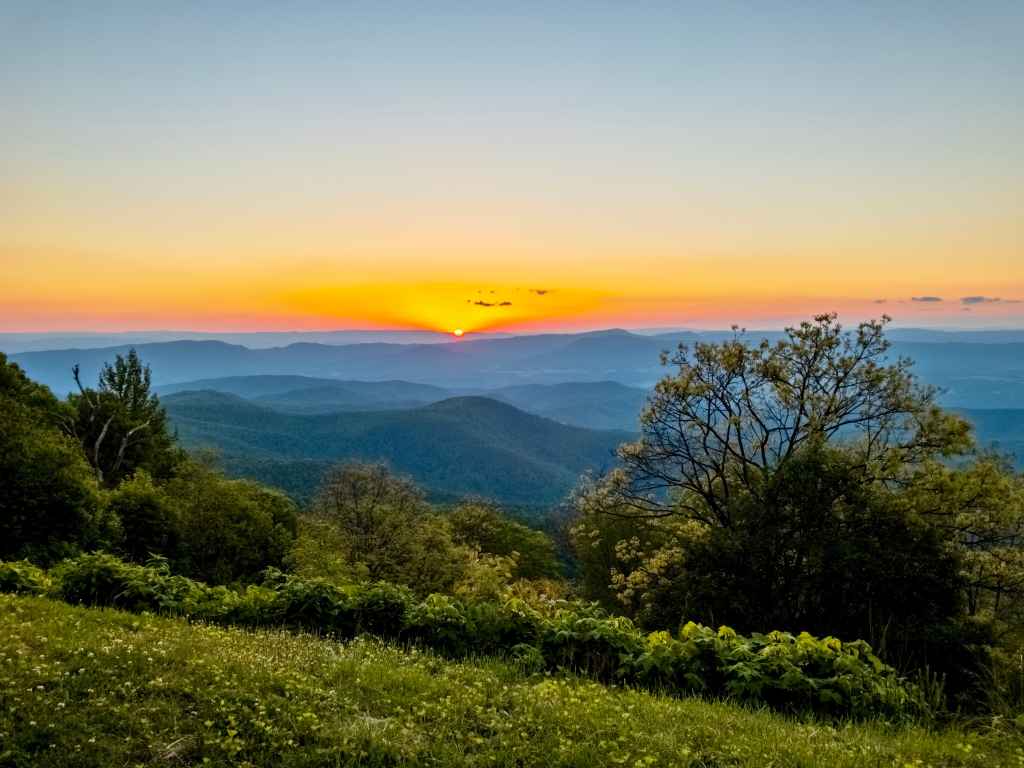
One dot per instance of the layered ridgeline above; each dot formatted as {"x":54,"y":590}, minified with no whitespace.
{"x":590,"y":404}
{"x":595,"y":380}
{"x":456,"y":447}
{"x":977,"y":370}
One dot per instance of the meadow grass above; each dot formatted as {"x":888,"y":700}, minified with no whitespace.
{"x":97,"y":687}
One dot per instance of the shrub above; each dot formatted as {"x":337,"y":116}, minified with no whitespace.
{"x":440,"y":621}
{"x":382,"y":608}
{"x":22,"y":578}
{"x":791,"y":673}
{"x":100,"y":579}
{"x":311,"y":603}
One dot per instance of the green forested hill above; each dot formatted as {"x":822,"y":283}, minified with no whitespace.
{"x":460,"y":446}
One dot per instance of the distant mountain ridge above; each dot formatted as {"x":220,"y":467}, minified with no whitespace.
{"x":594,"y":405}
{"x":455,"y":447}
{"x":971,"y":375}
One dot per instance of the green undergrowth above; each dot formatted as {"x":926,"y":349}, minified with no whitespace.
{"x":796,"y":674}
{"x":99,"y":687}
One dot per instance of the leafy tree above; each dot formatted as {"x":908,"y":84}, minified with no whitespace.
{"x":805,"y":484}
{"x":385,"y":529}
{"x":49,"y":502}
{"x":734,"y":412}
{"x":481,"y":525}
{"x":121,"y":425}
{"x":149,"y":518}
{"x":18,"y":387}
{"x":373,"y":509}
{"x":230,"y":530}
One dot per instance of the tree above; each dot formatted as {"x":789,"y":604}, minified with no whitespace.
{"x":482,"y":525}
{"x":806,"y":485}
{"x":19,"y":388}
{"x":149,"y":518}
{"x":373,"y":509}
{"x":385,"y":527}
{"x":230,"y":530}
{"x":734,"y":412}
{"x":121,"y":425}
{"x":49,"y":502}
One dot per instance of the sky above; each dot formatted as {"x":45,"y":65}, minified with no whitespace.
{"x":509,"y":166}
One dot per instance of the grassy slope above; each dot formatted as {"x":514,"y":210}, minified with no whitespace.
{"x":87,"y":687}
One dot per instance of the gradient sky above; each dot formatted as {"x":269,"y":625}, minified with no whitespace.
{"x":295,"y":165}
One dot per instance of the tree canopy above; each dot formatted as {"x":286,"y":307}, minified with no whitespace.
{"x":120,"y":424}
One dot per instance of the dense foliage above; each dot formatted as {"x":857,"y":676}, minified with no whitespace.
{"x":102,"y":471}
{"x":798,"y":674}
{"x":49,"y":498}
{"x":811,"y":484}
{"x":481,"y":525}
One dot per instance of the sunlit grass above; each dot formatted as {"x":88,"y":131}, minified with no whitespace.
{"x":89,"y":687}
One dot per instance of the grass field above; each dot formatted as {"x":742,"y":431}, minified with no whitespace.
{"x":89,"y":687}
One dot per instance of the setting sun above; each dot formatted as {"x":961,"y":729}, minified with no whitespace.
{"x":457,"y":332}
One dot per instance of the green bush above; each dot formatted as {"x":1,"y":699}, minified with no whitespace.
{"x":102,"y":579}
{"x":382,"y":609}
{"x":22,"y":578}
{"x":786,"y":672}
{"x":311,"y":603}
{"x":441,"y":622}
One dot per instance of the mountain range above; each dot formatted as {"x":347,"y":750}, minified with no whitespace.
{"x":515,"y":418}
{"x":972,"y":374}
{"x":455,"y":447}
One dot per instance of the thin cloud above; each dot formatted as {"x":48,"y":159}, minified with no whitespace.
{"x":984,"y":300}
{"x":505,"y":304}
{"x":880,"y":301}
{"x":541,"y":291}
{"x":926,"y":299}
{"x":484,"y":303}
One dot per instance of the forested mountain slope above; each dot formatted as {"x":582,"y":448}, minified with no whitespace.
{"x":460,"y":446}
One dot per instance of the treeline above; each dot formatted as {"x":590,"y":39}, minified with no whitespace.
{"x":102,"y":471}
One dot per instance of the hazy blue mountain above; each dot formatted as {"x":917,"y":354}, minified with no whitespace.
{"x":306,"y":394}
{"x":11,"y":343}
{"x":596,"y":405}
{"x":972,"y":375}
{"x":1001,"y":429}
{"x":460,"y":446}
{"x":245,"y":386}
{"x":331,"y":397}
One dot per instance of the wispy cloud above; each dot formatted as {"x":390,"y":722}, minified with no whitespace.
{"x":541,"y":291}
{"x":926,"y":299}
{"x":987,"y":300}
